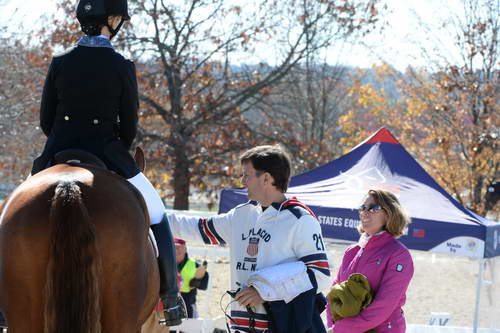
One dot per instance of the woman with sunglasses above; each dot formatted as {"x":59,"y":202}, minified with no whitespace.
{"x":384,"y":260}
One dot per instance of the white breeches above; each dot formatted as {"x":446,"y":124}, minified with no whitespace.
{"x":156,"y":209}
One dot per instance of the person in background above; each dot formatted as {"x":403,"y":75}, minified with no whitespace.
{"x":384,"y":260}
{"x":193,"y":276}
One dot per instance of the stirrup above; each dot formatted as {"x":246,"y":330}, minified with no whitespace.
{"x":174,"y":314}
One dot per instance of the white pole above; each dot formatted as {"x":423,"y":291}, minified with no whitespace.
{"x":207,"y":300}
{"x":478,"y":294}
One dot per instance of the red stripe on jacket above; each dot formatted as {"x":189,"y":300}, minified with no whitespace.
{"x":209,"y":234}
{"x":293,"y":201}
{"x":246,"y":323}
{"x":323,"y":264}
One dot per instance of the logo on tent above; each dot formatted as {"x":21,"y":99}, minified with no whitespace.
{"x":369,"y":176}
{"x":368,"y":179}
{"x":471,"y":245}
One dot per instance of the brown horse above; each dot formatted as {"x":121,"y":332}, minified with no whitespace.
{"x":75,"y":255}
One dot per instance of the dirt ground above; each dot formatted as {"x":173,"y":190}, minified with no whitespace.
{"x":441,"y":283}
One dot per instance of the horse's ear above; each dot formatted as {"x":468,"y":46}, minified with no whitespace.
{"x":139,"y":158}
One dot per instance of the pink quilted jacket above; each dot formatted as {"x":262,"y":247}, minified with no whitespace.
{"x":389,"y":268}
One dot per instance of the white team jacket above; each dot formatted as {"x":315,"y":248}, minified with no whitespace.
{"x":283,"y":233}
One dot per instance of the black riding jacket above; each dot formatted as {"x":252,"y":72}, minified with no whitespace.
{"x":90,"y":102}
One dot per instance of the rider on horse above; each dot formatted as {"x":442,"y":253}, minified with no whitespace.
{"x":90,"y":103}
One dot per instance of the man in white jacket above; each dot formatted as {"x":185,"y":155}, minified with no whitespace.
{"x":276,"y":245}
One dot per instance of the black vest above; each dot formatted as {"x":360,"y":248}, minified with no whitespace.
{"x":90,"y":102}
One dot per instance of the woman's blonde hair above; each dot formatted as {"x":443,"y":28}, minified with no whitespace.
{"x":397,"y":218}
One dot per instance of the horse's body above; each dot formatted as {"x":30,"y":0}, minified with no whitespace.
{"x":75,"y":255}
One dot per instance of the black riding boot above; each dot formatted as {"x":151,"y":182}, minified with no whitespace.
{"x":3,"y":323}
{"x":174,"y":307}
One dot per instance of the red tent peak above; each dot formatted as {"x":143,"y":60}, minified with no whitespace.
{"x":382,"y":135}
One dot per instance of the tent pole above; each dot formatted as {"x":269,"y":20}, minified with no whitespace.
{"x":478,"y":294}
{"x":206,"y":326}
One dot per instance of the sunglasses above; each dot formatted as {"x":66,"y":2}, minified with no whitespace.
{"x":369,"y":208}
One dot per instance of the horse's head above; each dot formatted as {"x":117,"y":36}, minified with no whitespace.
{"x":139,"y":159}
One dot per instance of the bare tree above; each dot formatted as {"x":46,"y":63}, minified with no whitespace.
{"x":464,"y":109}
{"x":202,"y":64}
{"x":448,"y":113}
{"x":193,"y":86}
{"x":302,"y":113}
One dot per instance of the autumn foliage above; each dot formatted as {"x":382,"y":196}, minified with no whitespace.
{"x":216,"y":78}
{"x":448,"y":114}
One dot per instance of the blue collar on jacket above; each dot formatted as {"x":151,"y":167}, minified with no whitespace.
{"x":94,"y":41}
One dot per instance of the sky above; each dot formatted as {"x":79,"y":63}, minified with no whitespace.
{"x":398,"y":44}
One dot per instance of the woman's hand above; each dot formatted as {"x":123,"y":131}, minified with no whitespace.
{"x":330,"y":330}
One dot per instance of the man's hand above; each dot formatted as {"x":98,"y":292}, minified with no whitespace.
{"x":249,"y":297}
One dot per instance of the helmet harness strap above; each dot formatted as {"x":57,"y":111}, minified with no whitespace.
{"x":114,"y":31}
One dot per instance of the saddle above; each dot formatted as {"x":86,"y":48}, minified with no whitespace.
{"x":77,"y":156}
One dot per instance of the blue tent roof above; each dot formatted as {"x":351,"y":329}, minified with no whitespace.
{"x":334,"y":191}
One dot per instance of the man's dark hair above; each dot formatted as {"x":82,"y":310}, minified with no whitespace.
{"x":271,"y":159}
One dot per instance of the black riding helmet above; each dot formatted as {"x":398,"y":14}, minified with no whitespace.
{"x":93,"y":15}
